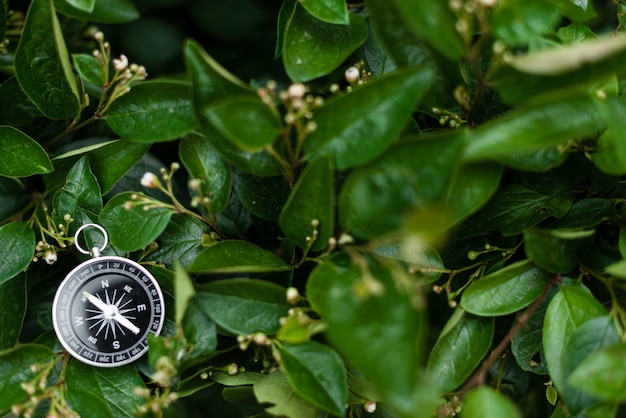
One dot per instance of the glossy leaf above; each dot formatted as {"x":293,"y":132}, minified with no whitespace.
{"x":505,"y":291}
{"x":602,"y":373}
{"x":586,"y":213}
{"x":116,"y":386}
{"x":13,"y":302}
{"x":331,"y":11}
{"x":234,"y":256}
{"x":312,"y":198}
{"x":244,"y":306}
{"x":18,"y":240}
{"x":204,"y":163}
{"x":112,"y":161}
{"x":15,"y":368}
{"x":184,"y":291}
{"x":235,"y":219}
{"x":555,"y":250}
{"x":200,"y":332}
{"x":317,"y":373}
{"x":313,"y":48}
{"x":21,"y":155}
{"x":460,"y":347}
{"x":397,"y":182}
{"x":610,"y":152}
{"x":50,"y":84}
{"x":261,"y":196}
{"x":211,"y":83}
{"x":84,"y":5}
{"x":104,"y":11}
{"x":517,"y":25}
{"x":274,"y":389}
{"x":153,"y":111}
{"x":85,"y":402}
{"x":180,"y":241}
{"x":359,"y":126}
{"x":89,"y":68}
{"x":134,"y":228}
{"x":485,"y":402}
{"x":16,"y":109}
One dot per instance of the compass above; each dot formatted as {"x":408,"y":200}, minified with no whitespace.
{"x":106,"y":307}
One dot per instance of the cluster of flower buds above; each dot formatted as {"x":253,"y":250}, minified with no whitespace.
{"x":357,"y":74}
{"x":154,"y":405}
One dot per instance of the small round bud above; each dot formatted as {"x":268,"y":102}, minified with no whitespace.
{"x":296,"y":91}
{"x":121,"y":63}
{"x":472,"y":255}
{"x":50,"y":256}
{"x":150,"y":180}
{"x":352,"y":75}
{"x":98,"y":36}
{"x":292,"y":295}
{"x":370,"y":407}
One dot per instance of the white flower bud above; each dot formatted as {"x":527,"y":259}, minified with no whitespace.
{"x":352,"y":75}
{"x":50,"y":256}
{"x":296,"y":91}
{"x":150,"y":180}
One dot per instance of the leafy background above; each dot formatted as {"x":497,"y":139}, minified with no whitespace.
{"x":354,"y":209}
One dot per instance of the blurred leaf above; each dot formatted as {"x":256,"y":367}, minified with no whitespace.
{"x":181,"y":240}
{"x":21,"y":155}
{"x":211,"y":83}
{"x":317,"y":373}
{"x":13,"y":303}
{"x":376,"y":112}
{"x":244,"y":306}
{"x":575,"y":32}
{"x":86,"y":402}
{"x":104,"y":11}
{"x":460,"y":347}
{"x":16,"y":109}
{"x":312,"y":198}
{"x":135,"y":228}
{"x":603,"y":373}
{"x":485,"y":402}
{"x":89,"y":68}
{"x":18,"y":241}
{"x":313,"y":48}
{"x":50,"y":84}
{"x":234,"y":256}
{"x":13,"y":197}
{"x":331,"y":11}
{"x":517,"y":24}
{"x":555,"y":250}
{"x":275,"y":389}
{"x":610,"y":152}
{"x":506,"y":290}
{"x":425,"y":264}
{"x":3,"y":19}
{"x":200,"y":332}
{"x":84,"y":5}
{"x":15,"y":368}
{"x":183,"y":290}
{"x":262,"y":196}
{"x":153,"y":111}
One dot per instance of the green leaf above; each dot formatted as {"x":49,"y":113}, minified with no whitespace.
{"x":211,"y":83}
{"x":15,"y":368}
{"x":13,"y":302}
{"x":518,"y":22}
{"x":42,"y":64}
{"x":80,"y":197}
{"x":425,"y":264}
{"x":3,"y":19}
{"x":235,"y":219}
{"x":116,"y":386}
{"x":317,"y":373}
{"x":586,"y":213}
{"x":16,"y":109}
{"x":262,"y":196}
{"x":312,"y":198}
{"x":183,"y":290}
{"x":359,"y":126}
{"x":204,"y":163}
{"x":567,"y":312}
{"x":610,"y":152}
{"x":234,"y":256}
{"x":275,"y":389}
{"x":18,"y":241}
{"x":515,"y":208}
{"x":505,"y":291}
{"x":84,"y":5}
{"x":244,"y":306}
{"x":331,"y":11}
{"x":13,"y":197}
{"x":85,"y":402}
{"x":313,"y":48}
{"x":21,"y":155}
{"x":533,"y":128}
{"x":462,"y":344}
{"x":603,"y":373}
{"x":181,"y":240}
{"x":484,"y":402}
{"x":400,"y":181}
{"x":89,"y":68}
{"x":112,"y":161}
{"x":555,"y":250}
{"x":104,"y":11}
{"x":200,"y":332}
{"x":153,"y":111}
{"x":435,"y":23}
{"x":134,"y":228}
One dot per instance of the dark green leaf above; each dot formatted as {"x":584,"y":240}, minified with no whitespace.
{"x":3,"y":19}
{"x":13,"y":303}
{"x":112,"y":161}
{"x":84,"y":5}
{"x":21,"y":155}
{"x":403,"y":179}
{"x":200,"y":332}
{"x":153,"y":111}
{"x":13,"y":196}
{"x":331,"y":11}
{"x":244,"y":306}
{"x":237,"y":257}
{"x":425,"y":263}
{"x":505,"y":291}
{"x":603,"y":373}
{"x":262,"y":196}
{"x":359,"y":126}
{"x":50,"y":84}
{"x":317,"y":373}
{"x":104,"y":11}
{"x":235,"y":219}
{"x":461,"y":345}
{"x":89,"y":68}
{"x":116,"y":386}
{"x":80,"y":197}
{"x":313,"y":48}
{"x":18,"y":242}
{"x":275,"y":389}
{"x":485,"y":402}
{"x":204,"y":163}
{"x":15,"y":368}
{"x":610,"y":152}
{"x":312,"y":198}
{"x":84,"y":402}
{"x":16,"y":109}
{"x":180,"y":241}
{"x":134,"y":228}
{"x":211,"y":83}
{"x":555,"y":250}
{"x":517,"y":24}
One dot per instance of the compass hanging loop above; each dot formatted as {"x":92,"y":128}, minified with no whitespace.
{"x":95,"y":251}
